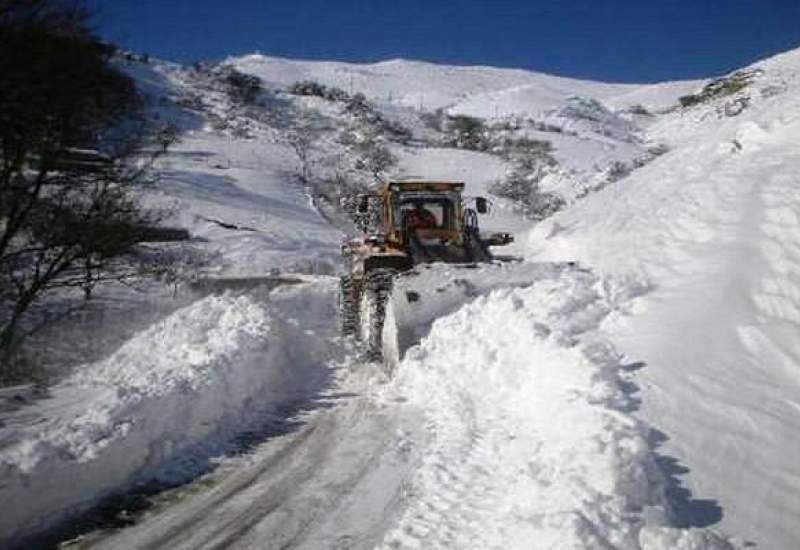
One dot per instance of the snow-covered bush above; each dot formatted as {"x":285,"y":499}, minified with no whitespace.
{"x":532,"y":161}
{"x":467,"y":133}
{"x":177,"y":265}
{"x":721,"y":87}
{"x":315,"y":89}
{"x":242,"y":88}
{"x":233,"y":102}
{"x":584,"y":108}
{"x":616,"y":171}
{"x":525,"y":152}
{"x":302,"y":138}
{"x":638,"y":109}
{"x":582,"y":115}
{"x":364,"y":113}
{"x":523,"y":187}
{"x":374,"y":158}
{"x":434,"y":120}
{"x":658,"y":150}
{"x":368,"y":149}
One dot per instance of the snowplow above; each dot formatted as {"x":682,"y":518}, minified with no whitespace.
{"x":408,"y":224}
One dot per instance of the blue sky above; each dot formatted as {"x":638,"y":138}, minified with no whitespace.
{"x":612,"y":40}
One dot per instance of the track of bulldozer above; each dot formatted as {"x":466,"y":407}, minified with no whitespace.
{"x":377,"y":288}
{"x":349,"y":298}
{"x":362,"y":307}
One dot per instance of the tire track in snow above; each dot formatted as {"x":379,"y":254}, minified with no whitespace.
{"x":179,"y":534}
{"x":339,"y":478}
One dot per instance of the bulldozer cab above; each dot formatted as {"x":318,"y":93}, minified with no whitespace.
{"x":424,"y":210}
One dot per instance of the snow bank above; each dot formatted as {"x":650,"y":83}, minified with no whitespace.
{"x":713,"y":225}
{"x":531,"y":439}
{"x":179,"y":389}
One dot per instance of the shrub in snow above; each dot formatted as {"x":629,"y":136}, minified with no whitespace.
{"x":434,"y":120}
{"x":190,"y":101}
{"x":364,"y":114}
{"x":616,"y":171}
{"x":651,"y":153}
{"x":242,"y":88}
{"x":525,"y":152}
{"x":721,"y":87}
{"x":585,"y":108}
{"x":585,"y":114}
{"x":532,"y":161}
{"x":467,"y":133}
{"x":315,"y":89}
{"x":522,"y":187}
{"x":367,"y":137}
{"x":515,"y":125}
{"x":228,"y":99}
{"x":358,"y":105}
{"x":546,"y":127}
{"x":366,"y":222}
{"x":772,"y":90}
{"x":639,"y":109}
{"x":369,"y":157}
{"x":307,"y":87}
{"x":178,"y":265}
{"x":369,"y":149}
{"x":374,"y":158}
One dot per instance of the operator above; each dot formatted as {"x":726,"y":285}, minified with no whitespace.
{"x":420,"y":218}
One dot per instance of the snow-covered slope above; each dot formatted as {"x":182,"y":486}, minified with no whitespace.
{"x":713,"y":227}
{"x":429,"y":86}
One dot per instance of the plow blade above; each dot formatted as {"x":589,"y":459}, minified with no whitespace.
{"x":428,"y":292}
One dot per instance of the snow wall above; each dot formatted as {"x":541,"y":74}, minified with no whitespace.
{"x":183,"y":388}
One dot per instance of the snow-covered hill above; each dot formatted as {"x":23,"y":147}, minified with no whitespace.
{"x":429,"y":86}
{"x":713,"y":228}
{"x":632,"y":384}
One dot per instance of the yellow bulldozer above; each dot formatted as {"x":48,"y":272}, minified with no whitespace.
{"x":415,"y":222}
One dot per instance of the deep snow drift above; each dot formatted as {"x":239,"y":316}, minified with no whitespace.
{"x":713,"y":227}
{"x":168,"y":400}
{"x":531,"y":438}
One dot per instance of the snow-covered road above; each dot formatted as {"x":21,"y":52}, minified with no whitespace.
{"x":335,"y":483}
{"x":509,"y":426}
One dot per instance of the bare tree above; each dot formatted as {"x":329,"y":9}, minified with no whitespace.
{"x":302,"y":138}
{"x":71,"y":166}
